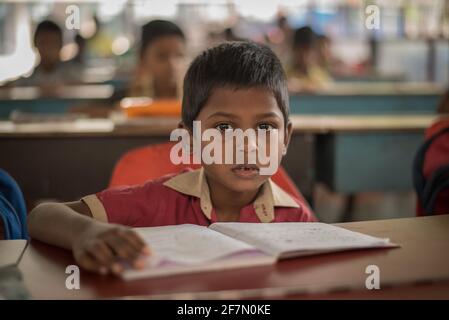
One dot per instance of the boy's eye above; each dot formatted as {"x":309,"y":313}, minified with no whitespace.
{"x":265,"y":126}
{"x":224,"y":126}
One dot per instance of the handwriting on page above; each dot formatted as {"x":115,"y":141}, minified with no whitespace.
{"x":282,"y":237}
{"x":190,"y":244}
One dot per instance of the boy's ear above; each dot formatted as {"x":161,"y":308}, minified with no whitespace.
{"x":288,"y":135}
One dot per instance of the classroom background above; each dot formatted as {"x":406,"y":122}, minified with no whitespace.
{"x":366,"y":80}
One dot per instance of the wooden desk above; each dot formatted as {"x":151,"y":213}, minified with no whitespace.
{"x":31,"y":99}
{"x":163,"y":126}
{"x":363,"y":153}
{"x":315,"y":124}
{"x":380,"y":88}
{"x":337,"y":99}
{"x":369,"y":99}
{"x":335,"y":124}
{"x":418,"y":269}
{"x":97,"y":91}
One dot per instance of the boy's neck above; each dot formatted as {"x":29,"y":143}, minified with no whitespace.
{"x":228,"y":203}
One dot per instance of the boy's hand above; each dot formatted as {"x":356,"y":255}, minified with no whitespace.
{"x":101,"y":248}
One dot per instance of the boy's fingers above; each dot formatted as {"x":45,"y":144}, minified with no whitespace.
{"x":139,"y":264}
{"x":121,"y":247}
{"x":89,"y":263}
{"x":116,"y":268}
{"x":133,"y":239}
{"x":102,"y":253}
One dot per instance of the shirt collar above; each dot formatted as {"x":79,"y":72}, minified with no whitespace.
{"x":193,"y":183}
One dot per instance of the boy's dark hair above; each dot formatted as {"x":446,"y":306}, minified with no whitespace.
{"x":236,"y":65}
{"x":48,"y":26}
{"x":322,"y":37}
{"x":304,"y":37}
{"x":156,"y":29}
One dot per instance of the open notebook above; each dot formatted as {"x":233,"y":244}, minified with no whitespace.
{"x":191,"y":248}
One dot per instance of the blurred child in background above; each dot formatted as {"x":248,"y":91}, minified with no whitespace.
{"x":51,"y":72}
{"x":326,"y":60}
{"x":305,"y":72}
{"x":159,"y":71}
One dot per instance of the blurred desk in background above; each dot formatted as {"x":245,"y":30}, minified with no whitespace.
{"x":348,"y":153}
{"x":340,"y":98}
{"x":35,"y":100}
{"x":364,"y":153}
{"x":369,"y":99}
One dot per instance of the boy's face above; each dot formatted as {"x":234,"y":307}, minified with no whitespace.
{"x":323,"y":49}
{"x":49,"y":45}
{"x":163,"y":60}
{"x":304,"y":56}
{"x":254,"y":108}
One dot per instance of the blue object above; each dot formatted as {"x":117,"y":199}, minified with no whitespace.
{"x":12,"y":208}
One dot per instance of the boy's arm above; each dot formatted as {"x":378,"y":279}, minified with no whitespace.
{"x":96,"y":246}
{"x":59,"y":224}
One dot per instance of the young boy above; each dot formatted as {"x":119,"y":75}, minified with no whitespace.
{"x":51,"y":71}
{"x":237,"y":85}
{"x":305,"y":73}
{"x":159,"y":70}
{"x":161,"y":56}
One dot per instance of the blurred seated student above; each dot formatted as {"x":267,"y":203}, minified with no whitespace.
{"x":305,"y":73}
{"x":326,"y":60}
{"x":236,"y":85}
{"x":99,"y":45}
{"x":159,"y":70}
{"x":51,"y":72}
{"x":281,"y":39}
{"x":161,"y":56}
{"x":229,"y":35}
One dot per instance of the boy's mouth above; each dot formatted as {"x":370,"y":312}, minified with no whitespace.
{"x":246,"y":171}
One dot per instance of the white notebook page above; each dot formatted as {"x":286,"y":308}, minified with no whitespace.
{"x":281,"y":238}
{"x":190,"y":244}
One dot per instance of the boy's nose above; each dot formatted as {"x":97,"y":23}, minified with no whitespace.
{"x":249,"y":145}
{"x":175,"y":64}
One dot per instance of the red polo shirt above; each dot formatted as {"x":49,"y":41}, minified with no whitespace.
{"x":184,"y":198}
